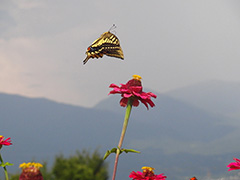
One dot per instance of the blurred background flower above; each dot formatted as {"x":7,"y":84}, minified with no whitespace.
{"x":234,"y":165}
{"x":31,"y":171}
{"x":5,"y":142}
{"x":147,"y":174}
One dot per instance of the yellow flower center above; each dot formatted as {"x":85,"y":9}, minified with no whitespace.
{"x":150,"y":169}
{"x":137,"y":77}
{"x":30,"y":164}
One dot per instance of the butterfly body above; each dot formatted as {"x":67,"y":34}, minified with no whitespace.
{"x":108,"y":44}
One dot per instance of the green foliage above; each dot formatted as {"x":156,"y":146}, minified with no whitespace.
{"x":81,"y":166}
{"x":47,"y":175}
{"x":14,"y":177}
{"x":6,"y":164}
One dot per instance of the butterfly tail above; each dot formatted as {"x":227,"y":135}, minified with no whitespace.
{"x":86,"y":60}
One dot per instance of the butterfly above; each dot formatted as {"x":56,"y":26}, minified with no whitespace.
{"x":108,"y":44}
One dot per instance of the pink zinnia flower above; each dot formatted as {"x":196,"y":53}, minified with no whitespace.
{"x":147,"y":174}
{"x":5,"y":142}
{"x":234,"y":165}
{"x":30,"y":171}
{"x":133,"y":89}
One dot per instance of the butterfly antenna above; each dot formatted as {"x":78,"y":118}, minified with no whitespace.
{"x":112,"y":28}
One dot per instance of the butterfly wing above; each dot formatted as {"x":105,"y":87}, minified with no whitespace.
{"x":107,"y":44}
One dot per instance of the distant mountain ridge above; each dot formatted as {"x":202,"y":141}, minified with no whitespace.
{"x":214,"y":96}
{"x":168,"y":134}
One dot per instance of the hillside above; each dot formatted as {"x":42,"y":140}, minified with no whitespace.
{"x":214,"y":96}
{"x":173,"y":132}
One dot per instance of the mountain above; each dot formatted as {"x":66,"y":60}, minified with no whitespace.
{"x":214,"y":96}
{"x":177,"y":138}
{"x":173,"y":120}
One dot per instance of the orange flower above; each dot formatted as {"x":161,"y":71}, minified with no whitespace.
{"x":193,"y":178}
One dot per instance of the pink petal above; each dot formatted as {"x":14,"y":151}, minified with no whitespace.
{"x":152,"y":95}
{"x":113,"y":86}
{"x":136,"y":175}
{"x":149,"y":101}
{"x":124,"y":86}
{"x":136,"y":89}
{"x":161,"y":176}
{"x":125,"y":91}
{"x":5,"y":142}
{"x":127,"y":95}
{"x":113,"y":92}
{"x":117,"y":89}
{"x":233,"y":166}
{"x":145,"y":103}
{"x":237,"y":160}
{"x":135,"y":103}
{"x":123,"y":102}
{"x":137,"y":94}
{"x":144,"y":95}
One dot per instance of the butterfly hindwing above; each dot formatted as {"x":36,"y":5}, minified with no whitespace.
{"x":107,"y":44}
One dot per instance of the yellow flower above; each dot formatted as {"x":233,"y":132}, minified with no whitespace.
{"x":30,"y":164}
{"x":137,"y":77}
{"x":30,"y":171}
{"x":146,"y":168}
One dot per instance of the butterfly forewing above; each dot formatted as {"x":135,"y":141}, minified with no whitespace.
{"x":107,"y":44}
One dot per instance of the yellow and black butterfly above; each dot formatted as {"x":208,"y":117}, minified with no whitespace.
{"x":107,"y":44}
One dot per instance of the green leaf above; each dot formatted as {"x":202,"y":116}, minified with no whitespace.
{"x":130,"y":150}
{"x":106,"y":154}
{"x":113,"y":150}
{"x":6,"y":164}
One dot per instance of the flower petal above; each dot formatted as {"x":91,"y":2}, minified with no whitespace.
{"x":145,"y":103}
{"x":234,"y":165}
{"x":127,"y":95}
{"x":135,"y":102}
{"x":149,"y":101}
{"x":123,"y":102}
{"x":113,"y":85}
{"x":5,"y":142}
{"x":152,"y":95}
{"x":137,"y":89}
{"x":133,"y":88}
{"x":114,"y":92}
{"x":136,"y":175}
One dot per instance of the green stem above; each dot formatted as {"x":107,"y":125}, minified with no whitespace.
{"x":5,"y":169}
{"x":125,"y":123}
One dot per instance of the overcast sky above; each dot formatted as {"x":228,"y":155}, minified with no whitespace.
{"x":171,"y":44}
